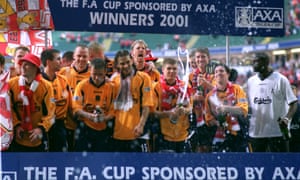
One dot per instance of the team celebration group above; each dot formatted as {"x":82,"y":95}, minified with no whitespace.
{"x":85,"y":102}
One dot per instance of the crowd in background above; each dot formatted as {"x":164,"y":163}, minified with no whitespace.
{"x":293,"y":17}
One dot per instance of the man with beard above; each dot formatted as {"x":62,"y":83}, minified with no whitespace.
{"x":131,"y":105}
{"x":272,"y":104}
{"x":33,"y":107}
{"x":63,"y":98}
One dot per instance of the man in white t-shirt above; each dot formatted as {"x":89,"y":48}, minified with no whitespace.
{"x":271,"y":102}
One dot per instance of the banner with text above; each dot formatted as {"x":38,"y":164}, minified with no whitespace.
{"x":226,"y":17}
{"x":70,"y":166}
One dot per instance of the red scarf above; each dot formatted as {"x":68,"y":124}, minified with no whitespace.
{"x":5,"y":110}
{"x":230,"y":97}
{"x":195,"y":78}
{"x":171,"y":92}
{"x":28,"y":102}
{"x":230,"y":100}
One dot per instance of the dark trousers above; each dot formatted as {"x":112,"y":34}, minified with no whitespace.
{"x":178,"y":147}
{"x":294,"y":145}
{"x":294,"y":141}
{"x":15,"y":147}
{"x":126,"y":145}
{"x":70,"y":139}
{"x":272,"y":144}
{"x":58,"y":137}
{"x":91,"y":140}
{"x":232,"y":143}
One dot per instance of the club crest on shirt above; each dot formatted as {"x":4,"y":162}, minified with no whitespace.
{"x":76,"y":98}
{"x":147,"y":89}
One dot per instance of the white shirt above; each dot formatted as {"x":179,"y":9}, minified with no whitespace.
{"x":268,"y":100}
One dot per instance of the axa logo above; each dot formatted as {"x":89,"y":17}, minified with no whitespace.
{"x":259,"y":17}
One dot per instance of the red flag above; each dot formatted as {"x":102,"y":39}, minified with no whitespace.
{"x":25,"y":15}
{"x":6,"y":126}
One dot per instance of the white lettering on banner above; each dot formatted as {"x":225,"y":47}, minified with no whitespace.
{"x":286,"y":173}
{"x":150,"y":6}
{"x":111,"y":4}
{"x":69,"y":3}
{"x":115,"y":172}
{"x":138,"y":19}
{"x":156,"y":172}
{"x":174,"y":21}
{"x":206,"y":8}
{"x":186,"y":7}
{"x":254,"y":173}
{"x":178,"y":173}
{"x":87,"y":4}
{"x":69,"y":171}
{"x":268,"y":15}
{"x":259,"y":17}
{"x":84,"y":173}
{"x":268,"y":24}
{"x":122,"y":19}
{"x":41,"y":173}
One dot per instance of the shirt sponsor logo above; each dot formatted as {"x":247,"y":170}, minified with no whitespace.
{"x":266,"y":100}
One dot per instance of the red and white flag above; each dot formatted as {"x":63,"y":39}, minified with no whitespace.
{"x":6,"y":125}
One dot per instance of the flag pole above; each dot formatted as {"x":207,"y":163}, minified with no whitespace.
{"x":227,"y":51}
{"x":46,"y":39}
